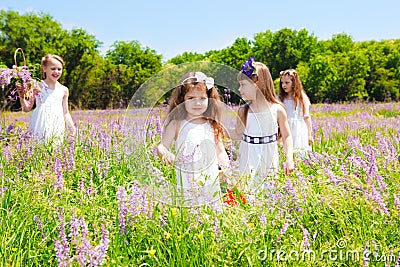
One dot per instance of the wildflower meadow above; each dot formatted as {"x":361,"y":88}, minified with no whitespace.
{"x":84,"y":203}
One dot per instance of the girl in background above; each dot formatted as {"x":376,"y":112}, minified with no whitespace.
{"x":297,"y":104}
{"x":51,"y":114}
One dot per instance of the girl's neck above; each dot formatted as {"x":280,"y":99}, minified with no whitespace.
{"x":196,"y":120}
{"x":259,"y":106}
{"x":50,"y":84}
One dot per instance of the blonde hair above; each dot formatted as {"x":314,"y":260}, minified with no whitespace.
{"x":46,"y":59}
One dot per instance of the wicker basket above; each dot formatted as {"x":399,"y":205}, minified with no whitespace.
{"x":19,"y":49}
{"x":29,"y":89}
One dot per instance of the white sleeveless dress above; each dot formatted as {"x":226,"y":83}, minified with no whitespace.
{"x":298,"y":126}
{"x":47,"y":121}
{"x":258,"y":150}
{"x":197,"y":165}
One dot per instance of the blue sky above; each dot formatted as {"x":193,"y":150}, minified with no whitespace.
{"x":173,"y":27}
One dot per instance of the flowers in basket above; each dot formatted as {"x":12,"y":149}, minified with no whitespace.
{"x":19,"y":80}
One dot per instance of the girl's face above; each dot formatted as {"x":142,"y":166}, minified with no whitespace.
{"x":248,"y":90}
{"x":196,"y":102}
{"x":53,"y":70}
{"x":287,"y":84}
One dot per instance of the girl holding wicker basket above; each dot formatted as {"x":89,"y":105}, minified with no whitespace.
{"x":51,"y":115}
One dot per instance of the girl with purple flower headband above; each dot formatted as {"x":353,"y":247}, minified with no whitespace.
{"x":51,"y":115}
{"x":258,"y":123}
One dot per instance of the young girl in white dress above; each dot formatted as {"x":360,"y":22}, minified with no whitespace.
{"x":297,"y":104}
{"x":193,"y":129}
{"x":258,"y":123}
{"x":51,"y":114}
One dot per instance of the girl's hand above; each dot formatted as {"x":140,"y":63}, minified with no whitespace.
{"x":36,"y":90}
{"x":74,"y":131}
{"x":310,"y":140}
{"x":288,"y":167}
{"x":167,"y":158}
{"x":224,"y":174}
{"x":24,"y":94}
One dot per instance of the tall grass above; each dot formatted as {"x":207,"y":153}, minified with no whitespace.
{"x":87,"y":202}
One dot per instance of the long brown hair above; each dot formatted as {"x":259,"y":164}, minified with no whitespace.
{"x":263,"y":80}
{"x":177,"y":110}
{"x":297,"y":88}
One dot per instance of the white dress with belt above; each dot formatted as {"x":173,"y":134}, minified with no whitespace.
{"x":258,"y":149}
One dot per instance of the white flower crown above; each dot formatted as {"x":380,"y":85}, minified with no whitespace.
{"x":200,"y":77}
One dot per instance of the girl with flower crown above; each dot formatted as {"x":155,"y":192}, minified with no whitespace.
{"x":297,"y":104}
{"x":51,"y":114}
{"x":257,"y":125}
{"x":193,"y":129}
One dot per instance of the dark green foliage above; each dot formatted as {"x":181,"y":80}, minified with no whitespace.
{"x":332,"y":70}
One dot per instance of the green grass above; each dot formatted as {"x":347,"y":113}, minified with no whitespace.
{"x":331,"y":197}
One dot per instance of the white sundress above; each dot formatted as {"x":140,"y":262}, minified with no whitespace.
{"x":47,"y":121}
{"x":197,"y":165}
{"x":258,"y":149}
{"x":298,"y":126}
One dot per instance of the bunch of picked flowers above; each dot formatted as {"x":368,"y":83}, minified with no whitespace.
{"x":234,"y":197}
{"x":232,"y":180}
{"x":19,"y":80}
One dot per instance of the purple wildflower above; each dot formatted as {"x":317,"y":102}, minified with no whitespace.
{"x":59,"y":184}
{"x":285,"y":226}
{"x":397,"y":263}
{"x":397,"y":204}
{"x":332,"y":177}
{"x":71,"y":161}
{"x":306,"y":235}
{"x":263,"y":219}
{"x":217,"y":230}
{"x":376,"y":196}
{"x":40,"y":226}
{"x":123,"y":210}
{"x":74,"y":227}
{"x":158,"y":125}
{"x":197,"y":214}
{"x":87,"y":254}
{"x":2,"y":190}
{"x":131,"y":206}
{"x":61,"y":245}
{"x":105,"y":141}
{"x":164,"y":219}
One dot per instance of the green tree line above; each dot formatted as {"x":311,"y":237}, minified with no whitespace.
{"x":334,"y":70}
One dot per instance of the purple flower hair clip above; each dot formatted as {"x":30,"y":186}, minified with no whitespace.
{"x":248,"y":67}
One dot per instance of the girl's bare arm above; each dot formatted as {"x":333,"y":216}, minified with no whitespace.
{"x":307,"y":118}
{"x":67,"y":115}
{"x":286,"y":139}
{"x":167,"y":138}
